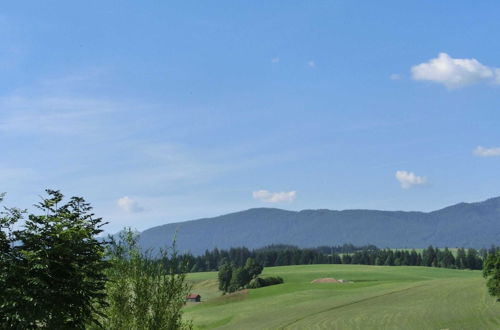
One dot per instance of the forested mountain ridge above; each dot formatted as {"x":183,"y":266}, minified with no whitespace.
{"x":474,"y":225}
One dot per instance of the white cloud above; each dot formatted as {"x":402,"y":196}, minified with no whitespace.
{"x":455,"y":72}
{"x":129,"y":205}
{"x":275,"y":60}
{"x":395,"y":76}
{"x":274,"y":197}
{"x":311,"y":64}
{"x":487,"y":152}
{"x":409,"y":179}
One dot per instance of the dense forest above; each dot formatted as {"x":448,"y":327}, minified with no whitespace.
{"x":283,"y":255}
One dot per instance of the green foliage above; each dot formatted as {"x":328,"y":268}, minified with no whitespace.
{"x":239,"y":279}
{"x":491,"y":271}
{"x":447,"y":259}
{"x":52,"y":270}
{"x":224,"y":276}
{"x":253,"y":268}
{"x":473,"y":259}
{"x":282,"y":255}
{"x":233,"y":278}
{"x":144,"y":292}
{"x":260,"y":282}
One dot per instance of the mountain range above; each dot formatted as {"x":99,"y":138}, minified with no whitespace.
{"x":473,"y":225}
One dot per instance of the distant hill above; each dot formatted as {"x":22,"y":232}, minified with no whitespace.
{"x":462,"y":225}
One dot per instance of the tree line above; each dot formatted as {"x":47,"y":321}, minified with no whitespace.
{"x":284,"y":255}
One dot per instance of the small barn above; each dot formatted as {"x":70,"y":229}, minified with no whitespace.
{"x":193,"y":297}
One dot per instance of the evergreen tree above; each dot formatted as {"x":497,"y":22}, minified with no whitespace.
{"x":389,"y":261}
{"x":460,"y":260}
{"x":346,"y":258}
{"x":336,"y":259}
{"x":447,"y":260}
{"x":429,"y":257}
{"x":473,"y":260}
{"x":414,"y":258}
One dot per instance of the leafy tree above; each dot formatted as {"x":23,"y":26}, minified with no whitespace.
{"x":13,"y":303}
{"x":254,"y":269}
{"x":491,"y":271}
{"x":53,"y":268}
{"x":239,"y":279}
{"x":234,"y":278}
{"x":224,"y":275}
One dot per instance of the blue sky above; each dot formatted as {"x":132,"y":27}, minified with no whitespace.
{"x":167,"y":111}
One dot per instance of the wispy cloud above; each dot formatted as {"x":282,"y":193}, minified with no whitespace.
{"x":455,"y":72}
{"x":275,"y":60}
{"x":62,"y":115}
{"x":274,"y":197}
{"x":409,"y":179}
{"x":395,"y":76}
{"x":311,"y":64}
{"x":129,"y":205}
{"x":487,"y":152}
{"x":56,"y":105}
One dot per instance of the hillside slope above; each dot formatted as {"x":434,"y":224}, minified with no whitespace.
{"x":466,"y":224}
{"x":378,"y":297}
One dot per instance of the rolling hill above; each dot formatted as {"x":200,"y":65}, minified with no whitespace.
{"x":474,"y":225}
{"x":376,"y":297}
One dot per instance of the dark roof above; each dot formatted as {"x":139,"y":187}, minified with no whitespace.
{"x":193,"y":296}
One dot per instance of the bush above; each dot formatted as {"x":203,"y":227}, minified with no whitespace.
{"x":144,"y":292}
{"x":260,"y":282}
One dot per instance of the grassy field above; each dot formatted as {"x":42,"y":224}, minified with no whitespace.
{"x":379,"y":297}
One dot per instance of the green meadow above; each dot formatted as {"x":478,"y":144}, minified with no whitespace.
{"x":377,"y":297}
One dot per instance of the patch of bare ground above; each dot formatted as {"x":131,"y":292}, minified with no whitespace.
{"x":230,"y":297}
{"x":328,"y":280}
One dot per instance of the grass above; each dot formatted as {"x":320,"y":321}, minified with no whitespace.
{"x":379,"y":298}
